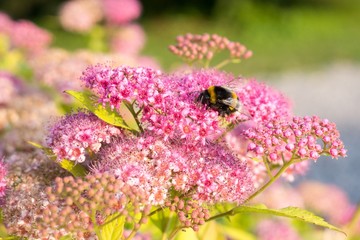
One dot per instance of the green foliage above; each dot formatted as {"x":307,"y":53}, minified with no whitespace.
{"x":290,"y":212}
{"x":236,"y":233}
{"x":281,"y":38}
{"x":67,"y":237}
{"x":164,"y":220}
{"x":88,"y":100}
{"x":13,"y":60}
{"x":113,"y":228}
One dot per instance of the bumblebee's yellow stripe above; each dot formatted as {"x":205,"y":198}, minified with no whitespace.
{"x":211,"y":91}
{"x":234,"y":103}
{"x":234,"y":95}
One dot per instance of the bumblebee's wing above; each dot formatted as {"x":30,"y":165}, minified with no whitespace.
{"x":232,"y":102}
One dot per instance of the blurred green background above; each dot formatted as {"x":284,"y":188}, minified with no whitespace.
{"x":283,"y":34}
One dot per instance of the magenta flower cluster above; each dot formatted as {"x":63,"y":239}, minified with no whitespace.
{"x":280,"y":140}
{"x":168,"y":102}
{"x":75,"y":135}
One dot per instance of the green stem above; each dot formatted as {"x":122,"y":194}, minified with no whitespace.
{"x":96,"y":227}
{"x":271,"y":181}
{"x":155,"y":211}
{"x":227,"y":61}
{"x":113,"y":219}
{"x":207,"y":63}
{"x":130,"y":107}
{"x":173,"y":234}
{"x":266,"y":163}
{"x":166,"y":228}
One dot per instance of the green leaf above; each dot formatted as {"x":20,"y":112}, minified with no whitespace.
{"x":88,"y":100}
{"x":236,"y":233}
{"x":67,"y":237}
{"x":211,"y":231}
{"x":186,"y":234}
{"x":127,"y":112}
{"x":113,"y":228}
{"x":164,"y":220}
{"x":77,"y":170}
{"x":290,"y":212}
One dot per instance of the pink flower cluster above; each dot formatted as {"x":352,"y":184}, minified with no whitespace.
{"x":121,"y":11}
{"x":73,"y":203}
{"x":128,"y":40}
{"x":5,"y":23}
{"x":207,"y":173}
{"x":74,"y":134}
{"x":82,"y":15}
{"x":25,"y":34}
{"x":197,"y":47}
{"x":279,"y":140}
{"x":9,"y":87}
{"x":168,"y":103}
{"x":262,"y":102}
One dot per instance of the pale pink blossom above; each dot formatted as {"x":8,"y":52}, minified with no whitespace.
{"x":128,"y":39}
{"x":80,"y":15}
{"x":121,"y":11}
{"x":28,"y":36}
{"x":75,"y":135}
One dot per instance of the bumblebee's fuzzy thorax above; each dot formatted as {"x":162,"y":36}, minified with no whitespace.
{"x":219,"y":98}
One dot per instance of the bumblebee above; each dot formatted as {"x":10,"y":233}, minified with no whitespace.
{"x":221,"y":99}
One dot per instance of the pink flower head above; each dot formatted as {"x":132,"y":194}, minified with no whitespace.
{"x":128,"y":40}
{"x":3,"y":181}
{"x":6,"y":23}
{"x":9,"y":87}
{"x":70,"y":137}
{"x":262,"y":102}
{"x":30,"y":37}
{"x":296,"y":139}
{"x":149,"y":162}
{"x":121,"y":11}
{"x":80,"y":15}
